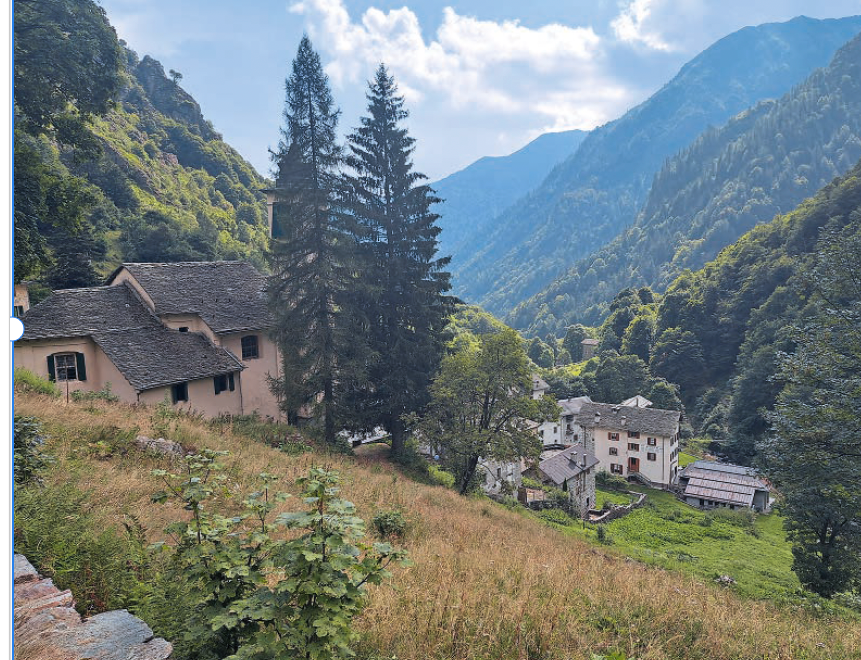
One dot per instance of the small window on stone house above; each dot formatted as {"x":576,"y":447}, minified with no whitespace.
{"x":250,"y":347}
{"x":179,"y":392}
{"x":18,"y":311}
{"x":223,"y":383}
{"x":184,"y":328}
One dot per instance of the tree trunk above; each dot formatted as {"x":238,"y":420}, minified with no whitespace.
{"x":469,"y":473}
{"x":397,"y":431}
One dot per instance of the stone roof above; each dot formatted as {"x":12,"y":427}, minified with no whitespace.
{"x":539,"y":383}
{"x":146,"y":353}
{"x":573,"y":405}
{"x":567,"y":463}
{"x":80,"y":312}
{"x":230,"y":296}
{"x":156,"y":357}
{"x":616,"y":417}
{"x":590,"y":342}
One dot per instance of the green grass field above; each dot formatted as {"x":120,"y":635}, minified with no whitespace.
{"x":686,"y":459}
{"x":670,"y":534}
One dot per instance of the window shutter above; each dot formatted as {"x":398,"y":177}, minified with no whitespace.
{"x":52,"y":372}
{"x":82,"y":370}
{"x":230,"y":383}
{"x":217,"y":384}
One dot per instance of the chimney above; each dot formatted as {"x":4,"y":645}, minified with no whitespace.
{"x":624,"y":420}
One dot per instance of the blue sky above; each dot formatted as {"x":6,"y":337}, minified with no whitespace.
{"x":481,"y":78}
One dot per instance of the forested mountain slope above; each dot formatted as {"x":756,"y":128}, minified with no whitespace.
{"x":589,"y":198}
{"x":762,"y":162}
{"x":114,"y":161}
{"x":475,"y":195}
{"x":732,"y":318}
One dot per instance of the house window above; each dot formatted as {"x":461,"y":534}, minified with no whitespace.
{"x":613,"y":436}
{"x":250,"y":348}
{"x":615,"y":468}
{"x":19,"y":311}
{"x":179,"y":392}
{"x":614,"y":451}
{"x":223,"y":383}
{"x":633,"y":446}
{"x":66,"y":367}
{"x":184,"y":328}
{"x":555,"y":430}
{"x":541,"y":433}
{"x":651,"y":456}
{"x":633,"y":434}
{"x":652,"y":442}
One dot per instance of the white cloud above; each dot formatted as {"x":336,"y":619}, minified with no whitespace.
{"x":472,"y":65}
{"x":631,"y":26}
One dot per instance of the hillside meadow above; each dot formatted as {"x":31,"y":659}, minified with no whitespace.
{"x":486,"y":582}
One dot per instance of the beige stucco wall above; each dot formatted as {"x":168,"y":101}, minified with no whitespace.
{"x":256,"y":395}
{"x":201,"y":398}
{"x":660,"y":471}
{"x":33,"y":355}
{"x":191,"y":321}
{"x":22,"y":296}
{"x":125,"y":276}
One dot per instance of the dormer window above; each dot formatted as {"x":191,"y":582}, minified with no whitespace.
{"x":250,"y":347}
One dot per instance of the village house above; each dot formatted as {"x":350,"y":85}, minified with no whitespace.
{"x":565,"y":431}
{"x":573,"y":471}
{"x":590,"y":348}
{"x":21,"y":299}
{"x":709,"y":485}
{"x":194,"y":334}
{"x":633,"y":441}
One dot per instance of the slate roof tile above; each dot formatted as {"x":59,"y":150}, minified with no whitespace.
{"x":627,"y":418}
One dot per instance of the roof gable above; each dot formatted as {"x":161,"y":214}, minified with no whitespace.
{"x":567,"y":464}
{"x":230,"y":296}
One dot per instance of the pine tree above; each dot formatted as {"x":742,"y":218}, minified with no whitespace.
{"x":313,"y":257}
{"x":405,"y":283}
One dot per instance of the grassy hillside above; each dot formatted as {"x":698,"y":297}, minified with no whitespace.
{"x":487,"y":582}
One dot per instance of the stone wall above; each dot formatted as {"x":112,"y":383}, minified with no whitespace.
{"x":47,"y":627}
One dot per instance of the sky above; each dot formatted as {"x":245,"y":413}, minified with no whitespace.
{"x":480,"y":78}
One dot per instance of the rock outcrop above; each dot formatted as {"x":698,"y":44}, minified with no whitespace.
{"x":47,"y":627}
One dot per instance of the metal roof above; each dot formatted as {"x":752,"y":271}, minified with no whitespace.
{"x":722,"y":482}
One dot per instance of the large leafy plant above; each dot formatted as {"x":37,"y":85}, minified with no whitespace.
{"x":260,"y":595}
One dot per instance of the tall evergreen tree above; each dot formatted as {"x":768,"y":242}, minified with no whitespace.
{"x":313,"y":256}
{"x":405,"y":281}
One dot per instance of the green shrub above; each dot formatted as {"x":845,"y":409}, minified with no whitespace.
{"x":28,"y":458}
{"x":98,"y":395}
{"x":390,"y":524}
{"x":610,"y":481}
{"x":54,"y":530}
{"x":105,"y":442}
{"x":556,"y":516}
{"x":440,"y":476}
{"x":603,"y":537}
{"x":27,"y":381}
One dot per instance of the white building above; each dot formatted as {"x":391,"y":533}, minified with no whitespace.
{"x":565,"y":431}
{"x":633,"y":440}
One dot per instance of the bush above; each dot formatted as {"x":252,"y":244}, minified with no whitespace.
{"x":603,"y":537}
{"x":27,"y":381}
{"x":55,"y":532}
{"x":440,"y":476}
{"x":98,"y":395}
{"x":28,"y":458}
{"x":610,"y":481}
{"x":105,"y":442}
{"x":390,"y":524}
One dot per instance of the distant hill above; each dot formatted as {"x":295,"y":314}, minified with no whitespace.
{"x":593,"y":195}
{"x":761,"y":163}
{"x":475,"y":195}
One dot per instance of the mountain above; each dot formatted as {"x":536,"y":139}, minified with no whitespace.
{"x":740,"y":311}
{"x":475,"y":195}
{"x":114,"y":161}
{"x":595,"y":193}
{"x":761,"y":163}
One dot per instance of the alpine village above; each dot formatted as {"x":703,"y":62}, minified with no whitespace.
{"x":596,"y":399}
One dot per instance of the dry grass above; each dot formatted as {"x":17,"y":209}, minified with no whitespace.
{"x":487,"y":582}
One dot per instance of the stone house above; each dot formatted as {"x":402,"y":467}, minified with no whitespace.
{"x":572,"y":470}
{"x":633,"y":441}
{"x":21,"y":299}
{"x":710,"y":485}
{"x":590,"y":348}
{"x":194,"y":334}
